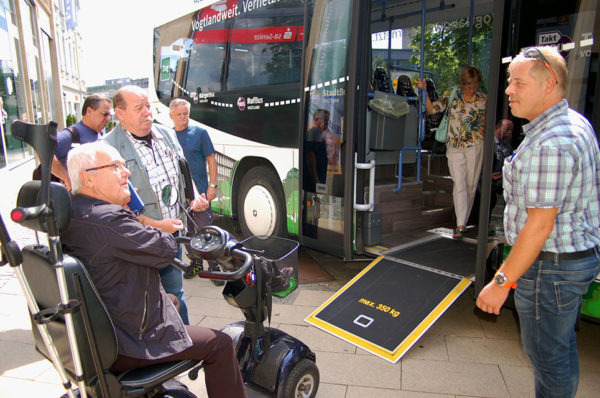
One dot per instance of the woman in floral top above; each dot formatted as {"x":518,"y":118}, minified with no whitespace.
{"x":464,"y":141}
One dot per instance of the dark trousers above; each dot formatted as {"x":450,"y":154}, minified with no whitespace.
{"x":221,"y":370}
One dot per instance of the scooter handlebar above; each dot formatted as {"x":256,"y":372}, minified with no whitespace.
{"x":225,"y":276}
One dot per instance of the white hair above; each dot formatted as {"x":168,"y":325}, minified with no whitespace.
{"x":84,"y":157}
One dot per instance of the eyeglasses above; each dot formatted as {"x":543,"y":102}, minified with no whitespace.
{"x":115,"y":165}
{"x":533,"y":52}
{"x":104,"y":114}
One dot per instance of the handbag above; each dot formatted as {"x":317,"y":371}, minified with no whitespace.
{"x":442,"y":131}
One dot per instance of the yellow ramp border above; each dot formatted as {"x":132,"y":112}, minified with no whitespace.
{"x":408,"y":342}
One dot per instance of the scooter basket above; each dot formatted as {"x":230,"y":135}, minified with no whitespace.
{"x":281,"y":257}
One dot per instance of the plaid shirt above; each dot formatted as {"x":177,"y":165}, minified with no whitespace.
{"x":556,"y":166}
{"x":160,"y":162}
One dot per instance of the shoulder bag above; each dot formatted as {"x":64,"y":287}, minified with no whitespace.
{"x":442,"y":131}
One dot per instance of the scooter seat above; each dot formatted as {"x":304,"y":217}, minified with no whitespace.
{"x":154,"y":374}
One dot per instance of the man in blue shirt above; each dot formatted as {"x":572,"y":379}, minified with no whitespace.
{"x":551,"y":219}
{"x":95,"y":114}
{"x":199,"y":152}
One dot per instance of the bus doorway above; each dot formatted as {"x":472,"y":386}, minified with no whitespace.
{"x":413,"y":193}
{"x":401,"y":196}
{"x":371,"y":182}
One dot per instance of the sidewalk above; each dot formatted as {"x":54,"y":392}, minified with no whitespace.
{"x":462,"y":355}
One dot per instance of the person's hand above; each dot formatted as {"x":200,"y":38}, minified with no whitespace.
{"x":421,"y":84}
{"x":211,"y":193}
{"x":171,"y":225}
{"x":492,"y":297}
{"x":200,"y":203}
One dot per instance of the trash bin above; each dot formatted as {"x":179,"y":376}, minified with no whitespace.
{"x":387,"y":130}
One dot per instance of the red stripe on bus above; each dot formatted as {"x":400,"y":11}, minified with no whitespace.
{"x":211,"y":36}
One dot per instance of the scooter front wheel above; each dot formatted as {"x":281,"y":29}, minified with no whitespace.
{"x":303,"y":380}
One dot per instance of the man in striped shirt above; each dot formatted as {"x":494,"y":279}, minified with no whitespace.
{"x":551,"y":219}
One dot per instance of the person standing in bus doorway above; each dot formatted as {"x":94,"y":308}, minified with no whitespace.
{"x":464,"y":142}
{"x":551,"y":219}
{"x":502,"y":150}
{"x":95,"y":114}
{"x":200,"y":153}
{"x":152,"y":153}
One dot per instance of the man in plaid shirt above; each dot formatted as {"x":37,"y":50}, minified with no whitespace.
{"x":551,"y":219}
{"x":151,"y":153}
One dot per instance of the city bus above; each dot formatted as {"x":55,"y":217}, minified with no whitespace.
{"x":265,"y":77}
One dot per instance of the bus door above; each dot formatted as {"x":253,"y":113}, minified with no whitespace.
{"x":326,"y":146}
{"x":420,"y":270}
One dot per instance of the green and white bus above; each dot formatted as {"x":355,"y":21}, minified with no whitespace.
{"x":261,"y":75}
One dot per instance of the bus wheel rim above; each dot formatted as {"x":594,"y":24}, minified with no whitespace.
{"x":260,"y":211}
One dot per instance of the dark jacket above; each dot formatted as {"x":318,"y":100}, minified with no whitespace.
{"x":123,"y":258}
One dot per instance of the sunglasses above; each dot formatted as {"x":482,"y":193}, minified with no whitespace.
{"x":534,"y":53}
{"x":115,"y":165}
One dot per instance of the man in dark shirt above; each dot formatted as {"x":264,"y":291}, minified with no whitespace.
{"x":123,"y":258}
{"x":95,"y":113}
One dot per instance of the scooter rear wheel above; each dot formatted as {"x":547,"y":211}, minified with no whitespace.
{"x":303,"y":380}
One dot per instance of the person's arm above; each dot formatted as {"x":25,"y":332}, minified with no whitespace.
{"x":527,"y":247}
{"x":428,"y":105}
{"x":211,"y":192}
{"x":59,"y":171}
{"x":169,"y":225}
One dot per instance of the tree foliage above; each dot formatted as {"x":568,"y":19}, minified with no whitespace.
{"x":447,"y":50}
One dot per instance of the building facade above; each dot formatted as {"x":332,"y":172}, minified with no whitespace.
{"x":39,"y":63}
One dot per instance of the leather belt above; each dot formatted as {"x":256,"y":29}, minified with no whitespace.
{"x":565,"y":256}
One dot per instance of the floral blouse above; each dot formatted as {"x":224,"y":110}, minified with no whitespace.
{"x":466,"y":123}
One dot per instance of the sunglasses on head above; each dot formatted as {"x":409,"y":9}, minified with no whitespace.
{"x":534,"y":53}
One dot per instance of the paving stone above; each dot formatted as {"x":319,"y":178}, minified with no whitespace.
{"x":519,"y":380}
{"x":318,"y":340}
{"x":21,"y":360}
{"x":327,"y":390}
{"x":505,"y":326}
{"x":17,"y":388}
{"x":358,"y":370}
{"x":490,"y":351}
{"x":216,"y":322}
{"x":200,"y":306}
{"x":361,"y":392}
{"x":312,"y":297}
{"x":476,"y":379}
{"x":293,"y":315}
{"x":429,"y":346}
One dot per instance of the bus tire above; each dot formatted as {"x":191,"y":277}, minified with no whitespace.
{"x":260,"y":204}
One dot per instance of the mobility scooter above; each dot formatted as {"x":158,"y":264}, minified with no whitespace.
{"x":73,"y":329}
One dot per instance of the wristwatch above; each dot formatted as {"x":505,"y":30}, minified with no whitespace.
{"x":213,"y":185}
{"x":501,"y":280}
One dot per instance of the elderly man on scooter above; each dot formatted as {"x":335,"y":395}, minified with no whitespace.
{"x":123,"y":258}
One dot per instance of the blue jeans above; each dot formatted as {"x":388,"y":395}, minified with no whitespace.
{"x":172,"y":281}
{"x":547,"y":299}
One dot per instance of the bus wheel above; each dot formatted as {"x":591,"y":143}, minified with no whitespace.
{"x":260,"y":203}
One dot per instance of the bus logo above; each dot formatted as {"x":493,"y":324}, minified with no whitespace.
{"x":241,"y":103}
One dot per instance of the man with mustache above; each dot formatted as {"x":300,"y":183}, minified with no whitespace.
{"x":551,"y":220}
{"x":151,"y":154}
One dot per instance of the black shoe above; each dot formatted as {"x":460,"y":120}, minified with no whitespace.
{"x":215,"y":267}
{"x":193,"y":269}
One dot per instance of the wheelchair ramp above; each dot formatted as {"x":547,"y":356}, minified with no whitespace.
{"x":388,"y":306}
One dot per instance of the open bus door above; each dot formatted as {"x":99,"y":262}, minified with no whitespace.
{"x":327,"y":120}
{"x":419,"y":271}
